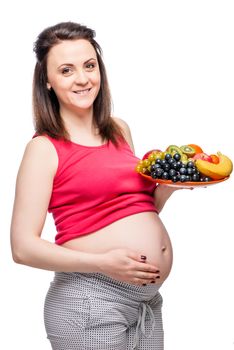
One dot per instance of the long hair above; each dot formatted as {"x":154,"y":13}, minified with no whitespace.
{"x":47,"y":118}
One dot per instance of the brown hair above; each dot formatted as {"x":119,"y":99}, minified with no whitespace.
{"x":47,"y":118}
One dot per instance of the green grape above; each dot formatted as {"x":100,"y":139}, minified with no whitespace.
{"x":146,"y":163}
{"x":151,"y":157}
{"x":139,"y":168}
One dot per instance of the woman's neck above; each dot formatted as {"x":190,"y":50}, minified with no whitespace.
{"x":79,"y":124}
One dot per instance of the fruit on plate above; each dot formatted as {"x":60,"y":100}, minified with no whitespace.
{"x":214,"y":158}
{"x":197,"y":148}
{"x":188,"y":150}
{"x":215,"y":171}
{"x":172,"y":149}
{"x":177,"y":164}
{"x":153,"y":151}
{"x":203,"y":156}
{"x":170,"y":167}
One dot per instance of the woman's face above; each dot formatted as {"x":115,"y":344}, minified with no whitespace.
{"x":73,"y":73}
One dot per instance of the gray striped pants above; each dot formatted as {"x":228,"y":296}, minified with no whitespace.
{"x":92,"y":311}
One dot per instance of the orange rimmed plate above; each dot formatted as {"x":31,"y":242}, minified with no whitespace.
{"x":188,"y":184}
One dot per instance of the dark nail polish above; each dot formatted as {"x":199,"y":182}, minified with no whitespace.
{"x":157,"y":276}
{"x":152,"y":282}
{"x":157,"y":271}
{"x":143,"y":257}
{"x":144,"y":284}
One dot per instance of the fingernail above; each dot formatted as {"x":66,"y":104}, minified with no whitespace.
{"x":157,"y":271}
{"x":152,"y":282}
{"x":143,"y":257}
{"x":144,"y":284}
{"x":157,"y":276}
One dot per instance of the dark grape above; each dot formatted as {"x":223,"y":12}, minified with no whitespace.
{"x":183,"y":165}
{"x":153,"y":167}
{"x":166,"y":166}
{"x":195,"y":177}
{"x":168,"y":156}
{"x":190,"y":171}
{"x":206,"y":179}
{"x":172,"y":172}
{"x":177,"y":156}
{"x":157,"y":165}
{"x":183,"y":171}
{"x":194,"y":170}
{"x":158,"y":161}
{"x":159,"y":172}
{"x":171,"y":161}
{"x":154,"y":175}
{"x":182,"y":178}
{"x":174,"y":166}
{"x":190,"y":164}
{"x":174,"y":178}
{"x":165,"y":175}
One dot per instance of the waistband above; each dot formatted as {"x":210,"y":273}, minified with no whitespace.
{"x":95,"y":281}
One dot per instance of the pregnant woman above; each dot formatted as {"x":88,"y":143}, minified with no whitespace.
{"x":111,"y":252}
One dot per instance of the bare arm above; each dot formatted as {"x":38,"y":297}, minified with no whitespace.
{"x":33,"y":191}
{"x":32,"y":194}
{"x":161,"y":195}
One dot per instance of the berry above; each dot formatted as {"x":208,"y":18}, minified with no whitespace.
{"x":168,"y":156}
{"x":190,"y":164}
{"x":166,"y":167}
{"x":182,"y":178}
{"x":183,"y":171}
{"x":177,"y":156}
{"x":165,"y":175}
{"x":159,"y":172}
{"x":172,"y":172}
{"x":174,"y":178}
{"x":171,"y":161}
{"x":195,"y":177}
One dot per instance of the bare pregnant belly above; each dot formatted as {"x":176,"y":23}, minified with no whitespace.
{"x":144,"y":233}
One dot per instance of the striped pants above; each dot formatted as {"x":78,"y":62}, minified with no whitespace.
{"x":92,"y":311}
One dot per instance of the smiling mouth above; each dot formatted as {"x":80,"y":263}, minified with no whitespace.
{"x":82,"y":92}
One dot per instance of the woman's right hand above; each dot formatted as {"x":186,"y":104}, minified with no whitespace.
{"x":127,"y":266}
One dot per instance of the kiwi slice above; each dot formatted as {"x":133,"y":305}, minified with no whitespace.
{"x":188,"y":150}
{"x":184,"y":158}
{"x":172,"y":149}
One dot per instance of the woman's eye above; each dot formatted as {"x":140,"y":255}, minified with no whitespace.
{"x":66,"y":70}
{"x":90,"y":66}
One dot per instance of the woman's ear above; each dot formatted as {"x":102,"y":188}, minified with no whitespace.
{"x":48,"y":86}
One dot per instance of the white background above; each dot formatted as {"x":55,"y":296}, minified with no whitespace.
{"x":170,"y":67}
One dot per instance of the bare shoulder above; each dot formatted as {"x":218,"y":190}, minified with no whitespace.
{"x":126,"y":131}
{"x":34,"y":185}
{"x":39,"y":142}
{"x":42,"y":151}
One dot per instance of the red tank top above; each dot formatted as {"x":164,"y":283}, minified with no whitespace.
{"x":95,"y":186}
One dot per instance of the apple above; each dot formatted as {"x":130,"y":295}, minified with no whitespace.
{"x":148,"y":153}
{"x":202,"y":156}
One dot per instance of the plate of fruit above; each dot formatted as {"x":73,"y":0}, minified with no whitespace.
{"x":184,"y":166}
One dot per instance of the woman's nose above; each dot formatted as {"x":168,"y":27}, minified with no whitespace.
{"x":81,"y":77}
